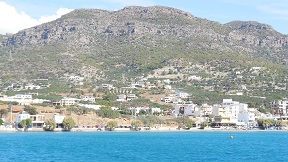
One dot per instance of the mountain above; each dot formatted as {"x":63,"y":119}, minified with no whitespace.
{"x":135,"y":40}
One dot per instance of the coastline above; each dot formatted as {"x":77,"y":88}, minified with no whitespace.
{"x":161,"y":129}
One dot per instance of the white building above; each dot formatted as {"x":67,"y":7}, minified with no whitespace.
{"x":248,"y":118}
{"x":283,"y":104}
{"x":58,"y":120}
{"x":131,"y":97}
{"x":167,"y":99}
{"x":22,"y":116}
{"x":68,"y":101}
{"x":234,"y":108}
{"x":167,"y":87}
{"x":37,"y":120}
{"x":32,"y":87}
{"x":95,"y":107}
{"x":185,"y":109}
{"x":88,"y":98}
{"x":182,"y":95}
{"x":23,"y":99}
{"x":176,"y":100}
{"x":121,"y":97}
{"x":23,"y":96}
{"x":203,"y":110}
{"x":158,"y":110}
{"x":107,"y":86}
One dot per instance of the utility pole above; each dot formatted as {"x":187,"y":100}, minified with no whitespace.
{"x":10,"y":105}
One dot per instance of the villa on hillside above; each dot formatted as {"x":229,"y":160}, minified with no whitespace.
{"x":107,"y":86}
{"x":88,"y":98}
{"x":66,"y":101}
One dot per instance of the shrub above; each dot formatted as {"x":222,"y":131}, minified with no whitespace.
{"x":30,"y":110}
{"x":112,"y":124}
{"x":68,"y":123}
{"x":136,"y":124}
{"x":50,"y":125}
{"x":1,"y":122}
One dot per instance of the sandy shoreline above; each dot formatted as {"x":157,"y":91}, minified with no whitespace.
{"x":161,"y":129}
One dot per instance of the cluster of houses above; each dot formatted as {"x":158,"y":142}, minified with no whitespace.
{"x":228,"y":113}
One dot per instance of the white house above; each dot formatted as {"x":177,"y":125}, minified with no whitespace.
{"x":194,"y":77}
{"x":32,"y":87}
{"x":37,"y":120}
{"x":167,"y":99}
{"x":68,"y":101}
{"x":121,"y":97}
{"x":167,"y":87}
{"x":232,"y":109}
{"x":182,"y":94}
{"x":58,"y":120}
{"x":131,"y":97}
{"x":203,"y":110}
{"x":95,"y":107}
{"x":156,"y":110}
{"x":185,"y":109}
{"x":23,"y":96}
{"x":107,"y":86}
{"x":247,"y":117}
{"x":24,"y":99}
{"x":280,"y":107}
{"x":88,"y":98}
{"x":176,"y":100}
{"x":22,"y":116}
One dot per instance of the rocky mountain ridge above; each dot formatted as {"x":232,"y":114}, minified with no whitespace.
{"x":136,"y":37}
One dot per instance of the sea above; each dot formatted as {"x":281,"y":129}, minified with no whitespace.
{"x":189,"y":146}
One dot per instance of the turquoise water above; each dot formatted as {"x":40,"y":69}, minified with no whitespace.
{"x":144,"y":146}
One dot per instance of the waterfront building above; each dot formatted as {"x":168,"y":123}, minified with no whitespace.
{"x":37,"y":120}
{"x":185,"y":109}
{"x":58,"y":120}
{"x":279,"y":107}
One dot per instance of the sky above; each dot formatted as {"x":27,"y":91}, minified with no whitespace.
{"x":16,"y":15}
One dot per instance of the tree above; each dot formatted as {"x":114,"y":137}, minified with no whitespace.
{"x":142,"y":112}
{"x":107,"y":112}
{"x":136,"y":124}
{"x":112,"y":124}
{"x":184,"y":121}
{"x":3,"y":112}
{"x":50,"y":125}
{"x":203,"y":125}
{"x":30,"y":110}
{"x":1,"y":121}
{"x":68,"y":123}
{"x":23,"y":123}
{"x":26,"y":123}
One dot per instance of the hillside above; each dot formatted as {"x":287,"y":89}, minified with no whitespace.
{"x":135,"y":41}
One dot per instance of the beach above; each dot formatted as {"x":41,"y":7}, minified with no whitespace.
{"x":143,"y":129}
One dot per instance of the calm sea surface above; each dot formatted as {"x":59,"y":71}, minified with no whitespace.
{"x":144,"y":146}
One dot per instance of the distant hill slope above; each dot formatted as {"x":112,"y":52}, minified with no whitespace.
{"x":135,"y":40}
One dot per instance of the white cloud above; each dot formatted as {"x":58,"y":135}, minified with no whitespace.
{"x":12,"y":20}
